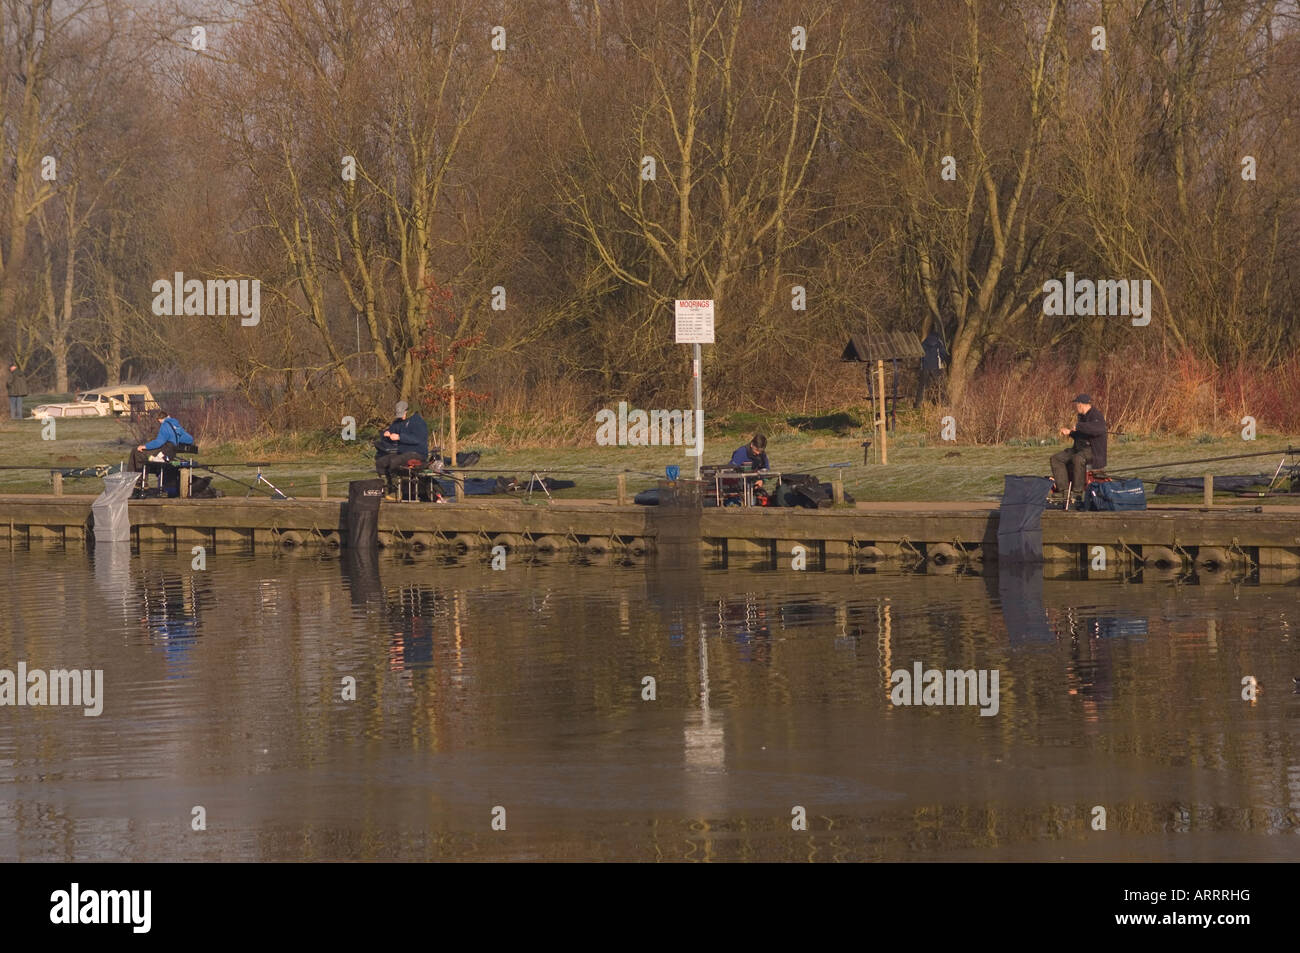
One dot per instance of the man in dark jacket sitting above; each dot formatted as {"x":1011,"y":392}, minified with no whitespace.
{"x":752,"y":458}
{"x":406,"y":439}
{"x":1088,"y":451}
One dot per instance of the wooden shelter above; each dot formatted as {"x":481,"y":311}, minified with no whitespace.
{"x":869,"y":349}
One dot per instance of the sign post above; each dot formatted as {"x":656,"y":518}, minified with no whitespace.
{"x":694,"y":325}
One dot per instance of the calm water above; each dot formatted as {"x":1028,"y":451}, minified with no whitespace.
{"x":523,"y":689}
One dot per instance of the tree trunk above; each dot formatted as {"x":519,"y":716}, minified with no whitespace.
{"x":113,"y":315}
{"x":1089,"y":353}
{"x":49,"y":303}
{"x":59,"y":340}
{"x":966,"y":358}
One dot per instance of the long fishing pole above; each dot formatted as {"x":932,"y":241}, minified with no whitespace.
{"x":251,"y":487}
{"x":1175,"y":481}
{"x":1289,"y":451}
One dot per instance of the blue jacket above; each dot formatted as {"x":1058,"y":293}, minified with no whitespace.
{"x":169,"y":430}
{"x":412,"y":436}
{"x":741,"y":460}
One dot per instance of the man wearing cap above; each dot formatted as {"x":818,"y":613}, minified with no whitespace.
{"x":406,"y":439}
{"x":1088,"y":452}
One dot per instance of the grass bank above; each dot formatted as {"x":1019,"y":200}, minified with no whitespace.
{"x":921,"y":467}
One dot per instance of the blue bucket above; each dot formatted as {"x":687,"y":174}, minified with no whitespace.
{"x":673,"y":472}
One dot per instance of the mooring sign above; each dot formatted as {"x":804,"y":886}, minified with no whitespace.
{"x":694,"y":322}
{"x":694,"y":325}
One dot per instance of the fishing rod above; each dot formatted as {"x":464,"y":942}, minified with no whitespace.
{"x":251,"y":487}
{"x":94,"y":470}
{"x":1176,"y":481}
{"x":824,"y":466}
{"x":1289,"y":451}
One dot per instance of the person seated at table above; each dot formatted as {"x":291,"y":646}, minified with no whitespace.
{"x":752,"y":457}
{"x":405,"y":440}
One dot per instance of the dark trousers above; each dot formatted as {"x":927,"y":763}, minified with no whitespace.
{"x":140,"y":457}
{"x":389,"y":465}
{"x":923,"y":379}
{"x":1071,"y":466}
{"x":15,"y":407}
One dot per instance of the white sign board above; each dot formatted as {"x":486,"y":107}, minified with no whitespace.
{"x":694,"y":322}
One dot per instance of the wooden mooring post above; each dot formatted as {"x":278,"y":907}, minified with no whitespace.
{"x":884,"y":419}
{"x":1209,"y":489}
{"x":458,"y":482}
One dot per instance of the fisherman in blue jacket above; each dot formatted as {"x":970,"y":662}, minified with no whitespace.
{"x":752,"y":456}
{"x":171,"y":436}
{"x":405,"y":440}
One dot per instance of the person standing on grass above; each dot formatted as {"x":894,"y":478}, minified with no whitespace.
{"x":1088,"y":451}
{"x":935,"y":358}
{"x":17,"y":391}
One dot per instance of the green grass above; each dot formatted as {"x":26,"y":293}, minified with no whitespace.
{"x":921,"y":467}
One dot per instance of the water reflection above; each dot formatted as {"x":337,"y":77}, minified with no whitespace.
{"x":409,"y":611}
{"x":171,"y":607}
{"x":745,"y":621}
{"x":360,"y":569}
{"x":112,"y":574}
{"x":1020,"y":590}
{"x":412,"y":610}
{"x":526,"y":688}
{"x":165,"y":604}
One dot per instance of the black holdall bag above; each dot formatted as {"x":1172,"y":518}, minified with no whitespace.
{"x":201,"y":488}
{"x":364,"y":497}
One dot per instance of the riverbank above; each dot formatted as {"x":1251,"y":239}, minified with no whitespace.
{"x":921,"y":467}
